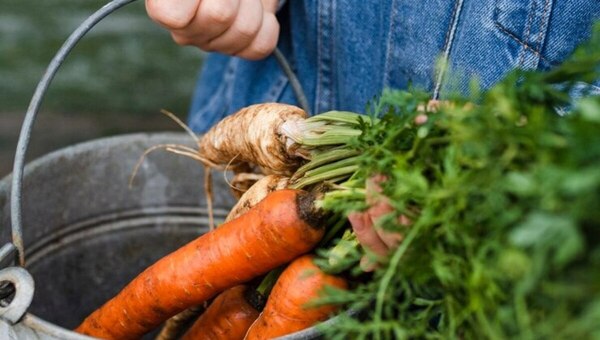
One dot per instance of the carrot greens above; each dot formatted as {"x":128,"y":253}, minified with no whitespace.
{"x":503,"y":191}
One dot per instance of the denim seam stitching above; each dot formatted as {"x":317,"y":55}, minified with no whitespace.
{"x":325,"y":62}
{"x":386,"y":75}
{"x":544,"y":24}
{"x":515,"y":38}
{"x":527,"y":32}
{"x":543,"y":28}
{"x":332,"y":85}
{"x":448,"y":45}
{"x":451,"y":23}
{"x":324,"y":65}
{"x":319,"y":52}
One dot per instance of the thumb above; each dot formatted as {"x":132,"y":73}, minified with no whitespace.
{"x":172,"y":14}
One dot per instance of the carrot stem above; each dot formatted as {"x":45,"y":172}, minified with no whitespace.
{"x":323,"y":158}
{"x":265,"y":286}
{"x":332,"y":136}
{"x":335,"y":173}
{"x":345,"y":117}
{"x":332,"y":166}
{"x":340,"y":222}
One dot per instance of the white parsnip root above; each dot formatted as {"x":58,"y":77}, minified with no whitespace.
{"x":253,"y":135}
{"x":257,"y":193}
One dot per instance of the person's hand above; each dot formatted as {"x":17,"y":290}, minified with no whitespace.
{"x":365,"y":224}
{"x":367,"y":229}
{"x":244,"y":28}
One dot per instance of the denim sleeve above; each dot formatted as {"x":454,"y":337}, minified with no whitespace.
{"x":345,"y":53}
{"x":228,"y":84}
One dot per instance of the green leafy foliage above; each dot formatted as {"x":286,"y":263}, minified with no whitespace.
{"x":504,"y":199}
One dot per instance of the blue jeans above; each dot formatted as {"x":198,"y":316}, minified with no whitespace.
{"x":346,"y":52}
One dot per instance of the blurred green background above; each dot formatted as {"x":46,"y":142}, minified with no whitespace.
{"x":115,"y":81}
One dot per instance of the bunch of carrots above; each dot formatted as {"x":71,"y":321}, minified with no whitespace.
{"x":268,"y":237}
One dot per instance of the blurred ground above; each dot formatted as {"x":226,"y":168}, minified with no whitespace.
{"x":115,"y":81}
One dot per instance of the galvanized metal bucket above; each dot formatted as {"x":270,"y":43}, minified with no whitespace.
{"x":87,"y":233}
{"x":84,"y":232}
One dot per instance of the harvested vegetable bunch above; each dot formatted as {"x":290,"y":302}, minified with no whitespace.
{"x":503,"y":197}
{"x":280,"y":228}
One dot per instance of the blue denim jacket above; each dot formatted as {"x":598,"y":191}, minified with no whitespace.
{"x":346,"y":52}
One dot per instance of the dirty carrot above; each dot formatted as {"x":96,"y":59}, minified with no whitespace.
{"x":280,"y":228}
{"x":286,"y":310}
{"x":228,"y":317}
{"x":256,"y":193}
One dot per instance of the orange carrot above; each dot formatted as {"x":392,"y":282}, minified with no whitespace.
{"x":278,"y":229}
{"x":251,"y":197}
{"x":228,"y":317}
{"x":286,"y":310}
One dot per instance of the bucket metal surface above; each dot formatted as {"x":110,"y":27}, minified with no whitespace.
{"x":87,"y":233}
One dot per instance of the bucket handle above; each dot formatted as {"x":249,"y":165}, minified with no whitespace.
{"x":34,"y":105}
{"x":40,"y":91}
{"x":22,"y":287}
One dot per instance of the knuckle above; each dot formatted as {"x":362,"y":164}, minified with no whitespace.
{"x":153,"y":10}
{"x":264,"y":43}
{"x":380,"y":209}
{"x":247,"y":29}
{"x":218,"y":13}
